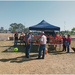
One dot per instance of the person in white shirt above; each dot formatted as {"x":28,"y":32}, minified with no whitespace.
{"x":43,"y":42}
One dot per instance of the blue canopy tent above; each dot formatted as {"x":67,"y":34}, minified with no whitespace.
{"x":43,"y":25}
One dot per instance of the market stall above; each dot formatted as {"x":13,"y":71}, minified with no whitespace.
{"x":43,"y":26}
{"x":49,"y":31}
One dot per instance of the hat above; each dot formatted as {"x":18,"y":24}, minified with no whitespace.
{"x":30,"y":31}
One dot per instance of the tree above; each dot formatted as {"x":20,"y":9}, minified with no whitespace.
{"x":65,"y":32}
{"x":62,"y":32}
{"x":17,"y":27}
{"x":26,"y":30}
{"x":73,"y":30}
{"x":2,"y":28}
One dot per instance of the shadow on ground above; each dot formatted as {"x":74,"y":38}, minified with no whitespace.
{"x":19,"y":59}
{"x":60,"y":52}
{"x":34,"y":49}
{"x":21,"y":48}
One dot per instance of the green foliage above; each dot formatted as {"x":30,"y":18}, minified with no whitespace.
{"x":17,"y":27}
{"x":14,"y":29}
{"x":70,"y":32}
{"x":26,"y":30}
{"x":62,"y":32}
{"x":73,"y":29}
{"x":65,"y":32}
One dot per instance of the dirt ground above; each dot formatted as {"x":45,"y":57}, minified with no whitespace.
{"x":16,"y":63}
{"x":57,"y":62}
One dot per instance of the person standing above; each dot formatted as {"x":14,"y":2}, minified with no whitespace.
{"x":21,"y":38}
{"x":28,"y":47}
{"x":43,"y":42}
{"x":16,"y":39}
{"x":64,"y":40}
{"x":25,"y":39}
{"x":68,"y":42}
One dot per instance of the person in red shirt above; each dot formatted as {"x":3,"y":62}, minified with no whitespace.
{"x":69,"y":41}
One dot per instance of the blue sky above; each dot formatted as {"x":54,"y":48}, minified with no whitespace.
{"x":29,"y":13}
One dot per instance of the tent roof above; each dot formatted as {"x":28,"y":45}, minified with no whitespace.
{"x":43,"y":25}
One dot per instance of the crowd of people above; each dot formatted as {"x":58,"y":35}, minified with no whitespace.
{"x":27,"y":39}
{"x":66,"y":43}
{"x":42,"y":45}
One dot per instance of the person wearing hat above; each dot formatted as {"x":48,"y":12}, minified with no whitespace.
{"x":28,"y":46}
{"x":43,"y":42}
